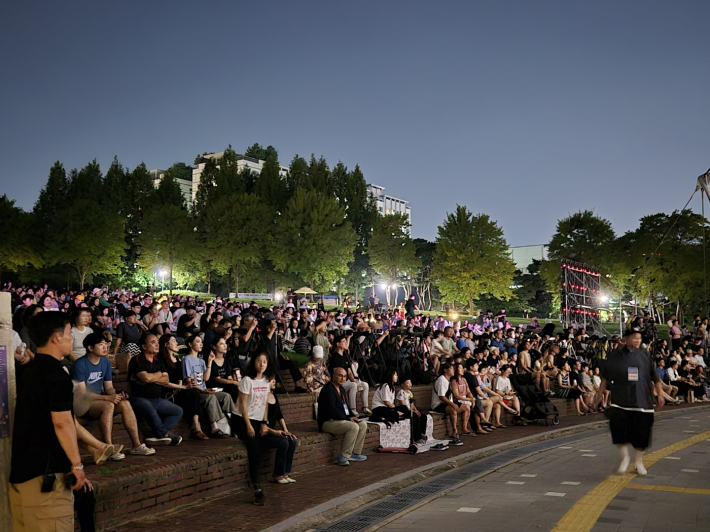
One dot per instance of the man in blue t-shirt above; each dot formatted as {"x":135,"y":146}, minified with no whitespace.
{"x":96,"y":399}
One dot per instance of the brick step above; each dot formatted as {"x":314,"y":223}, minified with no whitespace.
{"x":141,"y":486}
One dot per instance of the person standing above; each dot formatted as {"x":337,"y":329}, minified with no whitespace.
{"x":630,"y":375}
{"x":46,"y":465}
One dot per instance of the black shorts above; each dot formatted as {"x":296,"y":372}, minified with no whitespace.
{"x":441,"y":409}
{"x":628,"y":426}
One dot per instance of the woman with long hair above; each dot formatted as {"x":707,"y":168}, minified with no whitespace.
{"x":249,"y":423}
{"x":384,"y":400}
{"x":187,"y":394}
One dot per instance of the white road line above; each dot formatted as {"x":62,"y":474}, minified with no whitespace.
{"x":469,"y":510}
{"x":528,"y":475}
{"x":515,"y":482}
{"x":565,"y":447}
{"x":671,"y":457}
{"x":690,"y":470}
{"x":555,"y":494}
{"x":590,"y":455}
{"x":568,"y":483}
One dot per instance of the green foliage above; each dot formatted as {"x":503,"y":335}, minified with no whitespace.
{"x":88,"y":239}
{"x":16,"y":250}
{"x":167,"y":238}
{"x":472,"y":259}
{"x":392,"y":252}
{"x":256,"y":151}
{"x":312,"y":239}
{"x":180,"y":171}
{"x":236,"y":233}
{"x":168,"y":191}
{"x":269,"y":185}
{"x":52,"y":197}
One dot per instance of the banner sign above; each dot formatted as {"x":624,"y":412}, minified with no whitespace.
{"x":241,"y":295}
{"x":4,"y":402}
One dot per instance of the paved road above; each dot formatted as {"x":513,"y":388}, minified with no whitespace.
{"x":568,"y":487}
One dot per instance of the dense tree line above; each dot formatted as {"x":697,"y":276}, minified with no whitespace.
{"x":317,"y":226}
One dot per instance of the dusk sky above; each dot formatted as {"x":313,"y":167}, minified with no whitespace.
{"x":526,"y":111}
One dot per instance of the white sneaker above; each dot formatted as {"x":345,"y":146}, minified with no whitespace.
{"x":142,"y":450}
{"x":355,"y":413}
{"x":115,"y":457}
{"x":367,"y":411}
{"x":640,"y":469}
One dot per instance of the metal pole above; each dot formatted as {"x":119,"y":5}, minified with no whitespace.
{"x":705,"y":267}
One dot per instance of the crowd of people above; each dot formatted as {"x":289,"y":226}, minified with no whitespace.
{"x":218,"y":365}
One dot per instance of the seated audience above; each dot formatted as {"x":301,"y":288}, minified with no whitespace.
{"x":96,"y":399}
{"x":147,"y":376}
{"x":335,"y":418}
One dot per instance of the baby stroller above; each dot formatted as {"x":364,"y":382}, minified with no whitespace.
{"x":534,"y":405}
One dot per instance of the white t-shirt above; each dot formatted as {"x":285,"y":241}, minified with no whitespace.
{"x":258,"y":391}
{"x":503,"y":385}
{"x":405,"y":397}
{"x":77,"y":348}
{"x":441,"y":388}
{"x":383,"y":394}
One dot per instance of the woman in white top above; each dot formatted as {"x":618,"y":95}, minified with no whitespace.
{"x":384,"y":401}
{"x":80,"y":330}
{"x":250,"y":423}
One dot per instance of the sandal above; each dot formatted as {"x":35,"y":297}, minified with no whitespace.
{"x":500,"y":426}
{"x":199,"y":435}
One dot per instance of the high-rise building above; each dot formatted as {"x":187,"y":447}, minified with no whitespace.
{"x":255,"y":165}
{"x":388,"y":204}
{"x":185,"y":185}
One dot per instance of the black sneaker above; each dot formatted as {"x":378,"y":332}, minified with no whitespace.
{"x":455,"y":441}
{"x":174,"y":438}
{"x":259,"y":498}
{"x":439,"y":447}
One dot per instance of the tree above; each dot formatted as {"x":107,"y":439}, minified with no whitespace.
{"x":168,"y":237}
{"x":257,"y":151}
{"x":53,"y":196}
{"x":90,"y":246}
{"x":236,"y":233}
{"x":472,"y":258}
{"x":312,"y":239}
{"x":269,"y":185}
{"x":425,"y":252}
{"x":180,"y":171}
{"x":297,"y":174}
{"x":16,"y":249}
{"x":392,"y":252}
{"x":651,"y":267}
{"x":169,"y":191}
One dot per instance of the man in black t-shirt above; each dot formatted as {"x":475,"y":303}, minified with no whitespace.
{"x":631,"y":376}
{"x":189,"y":323}
{"x":44,"y":448}
{"x":147,"y":375}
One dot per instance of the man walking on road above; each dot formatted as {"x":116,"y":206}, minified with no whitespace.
{"x":630,"y":375}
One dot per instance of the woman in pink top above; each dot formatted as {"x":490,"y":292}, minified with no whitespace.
{"x":675,"y":334}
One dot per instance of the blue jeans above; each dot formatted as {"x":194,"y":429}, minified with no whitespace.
{"x":160,"y":414}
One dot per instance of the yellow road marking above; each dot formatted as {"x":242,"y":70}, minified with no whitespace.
{"x":675,"y":489}
{"x":584,"y":514}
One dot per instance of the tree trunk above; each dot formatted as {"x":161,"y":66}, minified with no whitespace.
{"x":236,"y":279}
{"x":170,"y":282}
{"x":470,"y":306}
